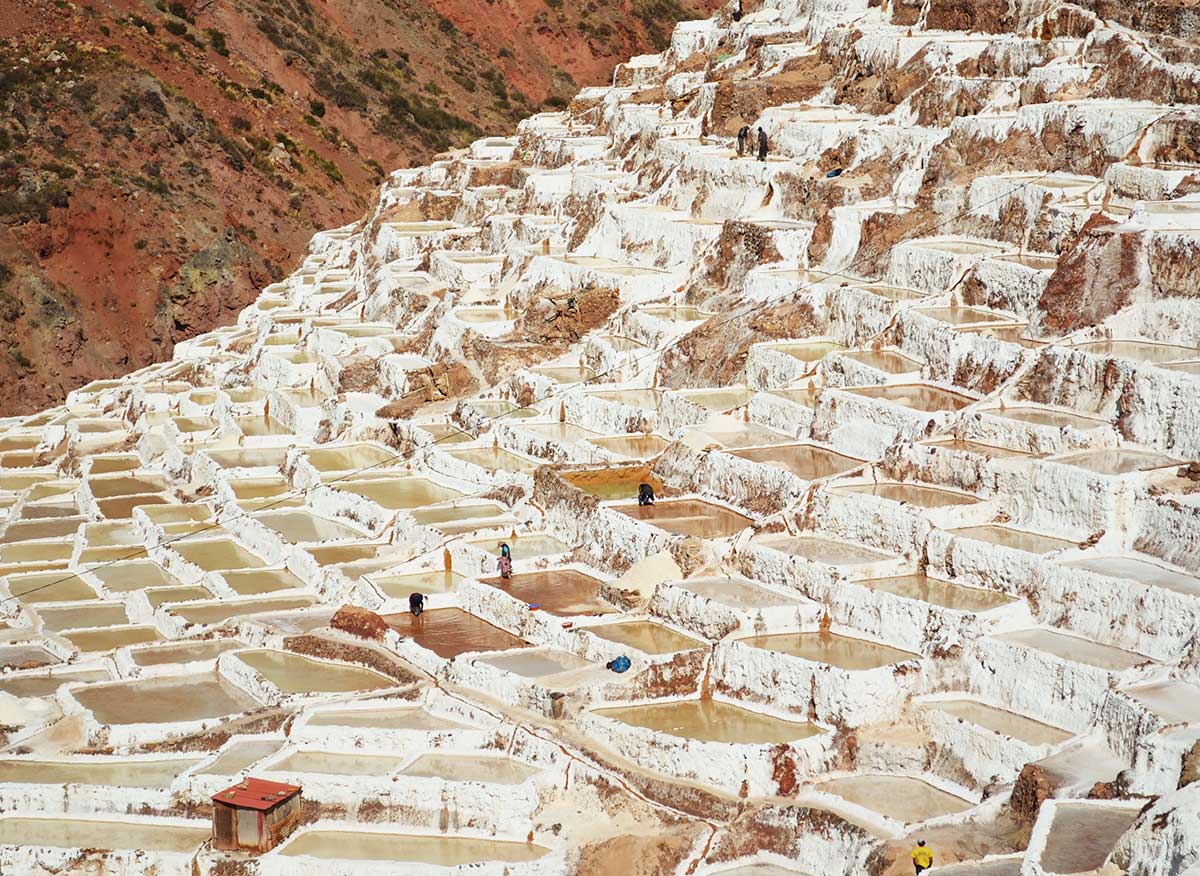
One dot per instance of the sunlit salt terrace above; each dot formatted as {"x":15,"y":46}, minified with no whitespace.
{"x":630,"y":507}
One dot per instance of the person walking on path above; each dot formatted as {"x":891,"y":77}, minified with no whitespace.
{"x":743,"y":140}
{"x":922,"y":857}
{"x":416,"y":604}
{"x":762,"y":144}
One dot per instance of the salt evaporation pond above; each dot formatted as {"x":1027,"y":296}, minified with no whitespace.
{"x":442,"y":850}
{"x":164,"y":700}
{"x":844,"y":652}
{"x":80,"y":833}
{"x":449,"y":632}
{"x":406,"y":718}
{"x":470,"y":768}
{"x":1083,"y":835}
{"x":1001,"y":721}
{"x":693,"y":517}
{"x":561,"y":592}
{"x":128,"y":773}
{"x":935,"y":591}
{"x":902,"y":798}
{"x":711,"y":721}
{"x":295,"y":673}
{"x":647,"y":637}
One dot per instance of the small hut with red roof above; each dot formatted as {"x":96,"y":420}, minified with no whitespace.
{"x":255,"y":815}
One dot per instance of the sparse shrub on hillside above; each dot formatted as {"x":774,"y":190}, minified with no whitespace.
{"x":234,"y":155}
{"x":33,"y":205}
{"x":340,"y":90}
{"x":62,"y":171}
{"x":216,"y":39}
{"x":240,"y":124}
{"x":330,"y":169}
{"x":11,"y":308}
{"x":658,"y":17}
{"x":271,"y":32}
{"x":317,"y":108}
{"x":20,"y":358}
{"x":178,"y":28}
{"x":138,"y":21}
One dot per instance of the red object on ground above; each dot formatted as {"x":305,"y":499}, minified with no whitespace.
{"x":256,"y":794}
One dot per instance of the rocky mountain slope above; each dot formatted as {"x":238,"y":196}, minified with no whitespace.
{"x":160,"y":163}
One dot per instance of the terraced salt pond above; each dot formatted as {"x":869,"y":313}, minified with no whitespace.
{"x":524,"y":546}
{"x":1075,"y":649}
{"x":183,"y":652}
{"x":920,"y":397}
{"x":1142,"y":571}
{"x":240,"y":755}
{"x":134,"y":575}
{"x":562,"y":592}
{"x":80,"y":833}
{"x":449,"y":632}
{"x":1056,"y":419}
{"x":711,"y":721}
{"x":164,"y":700}
{"x":295,"y":673}
{"x":935,"y":591}
{"x":737,"y":592}
{"x":219,"y":611}
{"x":44,"y":684}
{"x":844,"y":652}
{"x":441,"y":850}
{"x":470,"y":768}
{"x":1082,"y":835}
{"x":1017,"y":539}
{"x":529,"y":663}
{"x":807,"y":461}
{"x":913,"y":494}
{"x":890,"y":361}
{"x":405,"y":718}
{"x":337,"y":764}
{"x":493,"y":458}
{"x":253,"y":582}
{"x":615,"y":483}
{"x":1117,"y":461}
{"x":120,"y":773}
{"x":398,"y":494}
{"x":433,"y":581}
{"x":823,"y":550}
{"x":1176,"y":702}
{"x":693,"y":517}
{"x":633,"y":446}
{"x":216,"y":555}
{"x":647,"y":637}
{"x":907,"y":800}
{"x":1001,"y":721}
{"x":108,"y":638}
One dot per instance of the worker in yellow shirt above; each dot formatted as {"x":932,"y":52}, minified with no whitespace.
{"x":922,"y":857}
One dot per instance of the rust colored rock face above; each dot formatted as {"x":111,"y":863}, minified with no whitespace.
{"x":359,"y":621}
{"x":1033,"y":787}
{"x":1097,"y":277}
